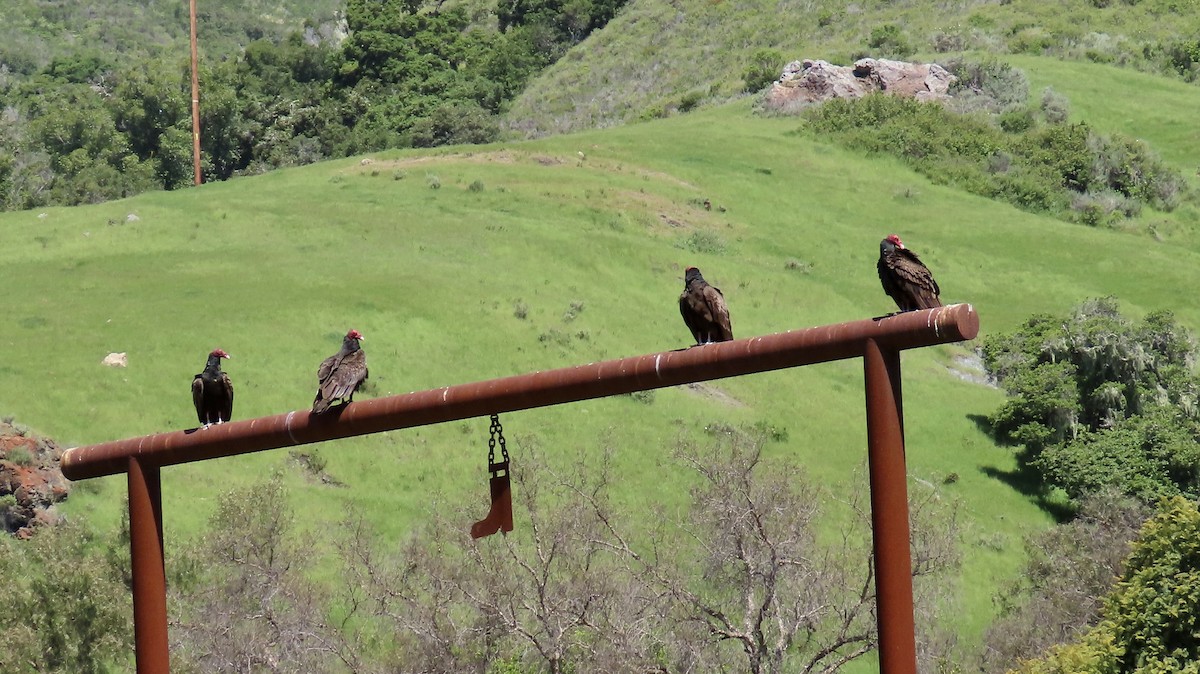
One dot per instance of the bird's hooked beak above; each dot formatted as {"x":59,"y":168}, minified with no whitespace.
{"x":225,"y":355}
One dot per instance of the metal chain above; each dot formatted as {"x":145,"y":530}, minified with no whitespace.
{"x":497,"y":431}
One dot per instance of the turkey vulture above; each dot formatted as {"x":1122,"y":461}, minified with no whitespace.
{"x":212,"y":392}
{"x":905,"y":278}
{"x":341,"y":374}
{"x":703,"y":308}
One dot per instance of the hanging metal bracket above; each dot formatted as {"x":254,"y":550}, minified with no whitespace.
{"x":499,"y":517}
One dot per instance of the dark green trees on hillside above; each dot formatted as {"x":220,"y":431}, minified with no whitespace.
{"x":89,"y":159}
{"x":1105,"y":408}
{"x":150,"y":103}
{"x":1100,"y":401}
{"x":550,"y":27}
{"x":410,"y":73}
{"x":415,"y":62}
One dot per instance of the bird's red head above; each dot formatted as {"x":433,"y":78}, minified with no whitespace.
{"x":896,"y":240}
{"x":354,"y":334}
{"x":219,"y":353}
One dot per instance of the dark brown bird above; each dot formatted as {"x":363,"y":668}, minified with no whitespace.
{"x":341,"y":374}
{"x":212,"y":392}
{"x":703,"y":309}
{"x":905,"y":278}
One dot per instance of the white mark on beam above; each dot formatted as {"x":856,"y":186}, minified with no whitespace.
{"x":287,"y":423}
{"x":657,"y":358}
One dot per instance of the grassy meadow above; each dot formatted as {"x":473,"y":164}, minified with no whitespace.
{"x":464,"y":264}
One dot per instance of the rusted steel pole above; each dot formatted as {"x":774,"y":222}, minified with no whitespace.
{"x":552,"y":387}
{"x":889,"y":511}
{"x":149,"y":577}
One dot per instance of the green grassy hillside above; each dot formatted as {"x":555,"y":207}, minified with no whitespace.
{"x":656,"y":54}
{"x":528,"y":256}
{"x":32,"y":33}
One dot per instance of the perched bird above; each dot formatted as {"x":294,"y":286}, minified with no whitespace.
{"x":212,"y":392}
{"x":703,"y":309}
{"x":341,"y":374}
{"x":905,"y":278}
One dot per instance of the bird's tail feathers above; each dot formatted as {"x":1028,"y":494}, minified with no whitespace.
{"x":927,"y":301}
{"x":320,"y":404}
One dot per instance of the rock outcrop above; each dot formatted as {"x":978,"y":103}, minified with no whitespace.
{"x":31,"y":481}
{"x":806,"y":82}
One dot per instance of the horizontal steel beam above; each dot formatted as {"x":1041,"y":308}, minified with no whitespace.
{"x":552,"y":387}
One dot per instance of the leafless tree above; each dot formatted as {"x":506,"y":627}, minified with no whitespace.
{"x":934,"y":527}
{"x":750,"y":571}
{"x":546,"y":593}
{"x":1071,"y":568}
{"x":415,"y":591}
{"x":243,"y":601}
{"x":740,"y":582}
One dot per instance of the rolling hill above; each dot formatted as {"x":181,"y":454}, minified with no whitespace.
{"x":657,"y":54}
{"x":33,"y":33}
{"x":469,"y":263}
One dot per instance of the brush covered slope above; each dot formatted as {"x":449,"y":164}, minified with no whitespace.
{"x":659,"y":56}
{"x":473,"y":263}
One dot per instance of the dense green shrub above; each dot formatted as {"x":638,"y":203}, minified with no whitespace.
{"x":66,"y":607}
{"x":990,"y":85}
{"x":1128,"y":167}
{"x":1184,"y":58}
{"x":764,"y":68}
{"x":1055,"y":107}
{"x":691,"y":100}
{"x":453,"y":124}
{"x":1031,"y":41}
{"x":1098,"y":401}
{"x":1065,"y":170}
{"x":889,"y":41}
{"x":1016,"y":120}
{"x":1061,"y":149}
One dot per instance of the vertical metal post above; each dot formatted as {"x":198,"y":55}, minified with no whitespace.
{"x":149,"y":576}
{"x":889,"y":511}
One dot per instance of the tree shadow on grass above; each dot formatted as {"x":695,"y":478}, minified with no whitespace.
{"x":983,"y":424}
{"x":1026,"y":479}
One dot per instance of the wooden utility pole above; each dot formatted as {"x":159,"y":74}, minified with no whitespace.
{"x":195,"y":101}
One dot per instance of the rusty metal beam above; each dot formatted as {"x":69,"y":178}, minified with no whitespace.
{"x":889,"y":511}
{"x":552,"y":387}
